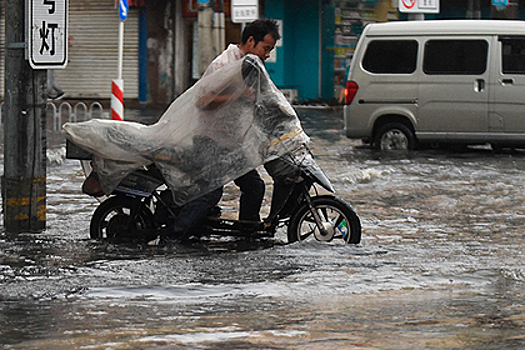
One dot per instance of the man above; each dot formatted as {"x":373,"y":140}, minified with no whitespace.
{"x":257,"y":38}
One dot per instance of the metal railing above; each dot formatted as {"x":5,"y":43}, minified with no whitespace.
{"x":66,"y":111}
{"x":79,"y":112}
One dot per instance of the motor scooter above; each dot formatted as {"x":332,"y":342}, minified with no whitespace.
{"x":142,"y":204}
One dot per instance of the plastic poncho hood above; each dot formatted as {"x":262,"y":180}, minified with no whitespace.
{"x":228,"y":123}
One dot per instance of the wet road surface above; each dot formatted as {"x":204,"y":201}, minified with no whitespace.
{"x":440,"y":266}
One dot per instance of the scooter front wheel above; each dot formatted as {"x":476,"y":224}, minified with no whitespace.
{"x":119,"y":217}
{"x":338,"y":220}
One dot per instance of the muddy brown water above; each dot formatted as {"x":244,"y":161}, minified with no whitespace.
{"x":440,"y":265}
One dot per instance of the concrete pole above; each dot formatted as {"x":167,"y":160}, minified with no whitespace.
{"x":222,"y":35}
{"x":24,"y":180}
{"x":181,"y":72}
{"x":207,"y":52}
{"x":219,"y":27}
{"x":218,"y":32}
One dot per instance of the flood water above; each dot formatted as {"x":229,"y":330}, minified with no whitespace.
{"x":440,"y":265}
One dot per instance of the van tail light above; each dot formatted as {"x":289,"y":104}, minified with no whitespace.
{"x":350,"y":91}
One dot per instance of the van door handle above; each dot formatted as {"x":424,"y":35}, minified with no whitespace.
{"x":479,"y":86}
{"x":508,"y":81}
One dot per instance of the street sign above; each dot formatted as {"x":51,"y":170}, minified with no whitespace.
{"x":419,"y":6}
{"x":47,"y":33}
{"x":245,"y":11}
{"x":123,"y":9}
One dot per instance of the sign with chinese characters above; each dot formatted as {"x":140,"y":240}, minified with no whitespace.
{"x":419,"y":6}
{"x":245,"y":11}
{"x":47,"y":33}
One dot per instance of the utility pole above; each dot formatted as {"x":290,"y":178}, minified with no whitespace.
{"x":219,"y":27}
{"x":205,"y":19}
{"x":24,"y":180}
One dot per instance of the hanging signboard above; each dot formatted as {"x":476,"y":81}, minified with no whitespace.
{"x":419,"y":6}
{"x":245,"y":11}
{"x":47,"y":33}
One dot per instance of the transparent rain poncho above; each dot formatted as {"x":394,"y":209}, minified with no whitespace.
{"x":228,"y":123}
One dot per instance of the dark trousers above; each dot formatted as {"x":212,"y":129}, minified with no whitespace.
{"x":252,"y":188}
{"x":193,"y":212}
{"x":283,"y":174}
{"x":252,"y":193}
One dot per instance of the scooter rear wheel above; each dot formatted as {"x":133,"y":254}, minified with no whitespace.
{"x":119,"y":217}
{"x":338,"y":218}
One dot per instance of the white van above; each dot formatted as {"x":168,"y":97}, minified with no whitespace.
{"x":449,"y":81}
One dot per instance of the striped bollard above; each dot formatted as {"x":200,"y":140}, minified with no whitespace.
{"x":117,"y":99}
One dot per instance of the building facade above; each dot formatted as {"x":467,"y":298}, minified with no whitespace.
{"x":162,"y":48}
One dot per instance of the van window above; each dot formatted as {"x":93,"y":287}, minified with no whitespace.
{"x":391,"y":56}
{"x":455,"y":57}
{"x":513,"y":55}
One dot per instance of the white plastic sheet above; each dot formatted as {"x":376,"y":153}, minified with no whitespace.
{"x":227,"y":124}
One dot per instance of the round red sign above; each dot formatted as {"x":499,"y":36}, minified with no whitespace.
{"x":408,"y":3}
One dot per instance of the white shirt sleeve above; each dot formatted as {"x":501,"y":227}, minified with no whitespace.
{"x":231,"y":54}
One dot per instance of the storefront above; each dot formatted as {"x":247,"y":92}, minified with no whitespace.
{"x":160,"y":46}
{"x":350,"y":18}
{"x":319,"y":38}
{"x":303,"y":62}
{"x":93,"y":50}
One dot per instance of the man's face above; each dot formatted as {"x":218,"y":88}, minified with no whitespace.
{"x":263,"y":48}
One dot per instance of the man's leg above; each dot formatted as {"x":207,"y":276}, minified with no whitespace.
{"x":193,"y":212}
{"x":281,"y":191}
{"x":252,"y":193}
{"x":282,"y":173}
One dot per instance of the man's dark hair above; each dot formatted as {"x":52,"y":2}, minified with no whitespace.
{"x":259,"y":29}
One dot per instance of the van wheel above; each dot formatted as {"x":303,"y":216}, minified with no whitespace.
{"x":394,"y":136}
